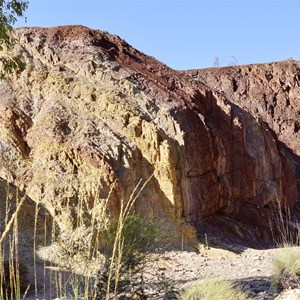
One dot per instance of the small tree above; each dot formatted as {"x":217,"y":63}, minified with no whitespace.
{"x":9,"y":12}
{"x":233,"y":61}
{"x":216,"y":63}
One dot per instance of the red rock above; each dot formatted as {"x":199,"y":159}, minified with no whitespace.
{"x":90,"y":110}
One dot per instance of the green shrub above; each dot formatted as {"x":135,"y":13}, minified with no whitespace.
{"x":129,"y":240}
{"x":286,"y":267}
{"x":139,"y":237}
{"x":212,"y":289}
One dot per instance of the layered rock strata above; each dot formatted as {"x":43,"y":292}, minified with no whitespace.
{"x":89,"y":116}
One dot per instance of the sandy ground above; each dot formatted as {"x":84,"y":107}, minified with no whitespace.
{"x":166,"y":274}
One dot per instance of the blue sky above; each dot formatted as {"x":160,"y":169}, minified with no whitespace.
{"x":186,"y":34}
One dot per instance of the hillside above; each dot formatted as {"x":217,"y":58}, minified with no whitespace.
{"x":89,"y":116}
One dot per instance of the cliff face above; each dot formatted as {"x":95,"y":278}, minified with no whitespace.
{"x":89,"y":116}
{"x":269,"y":92}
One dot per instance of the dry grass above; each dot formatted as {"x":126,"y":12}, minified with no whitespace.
{"x":212,"y":289}
{"x":286,"y":261}
{"x":286,"y":268}
{"x":115,"y":266}
{"x":76,"y":252}
{"x":13,"y":272}
{"x":284,"y":227}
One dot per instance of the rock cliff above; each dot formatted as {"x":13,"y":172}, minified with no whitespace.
{"x":270,"y":93}
{"x":89,"y":116}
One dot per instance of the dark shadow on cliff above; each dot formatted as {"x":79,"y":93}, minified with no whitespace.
{"x":32,"y":221}
{"x":10,"y":196}
{"x":218,"y":131}
{"x":295,"y":161}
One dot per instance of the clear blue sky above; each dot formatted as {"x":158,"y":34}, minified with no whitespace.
{"x":186,"y":34}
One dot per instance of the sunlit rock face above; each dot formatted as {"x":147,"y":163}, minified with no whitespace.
{"x":89,"y":116}
{"x":270,"y":92}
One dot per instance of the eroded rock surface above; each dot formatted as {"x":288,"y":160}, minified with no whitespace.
{"x":269,"y":92}
{"x":89,"y":116}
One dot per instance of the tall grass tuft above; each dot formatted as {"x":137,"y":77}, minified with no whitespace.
{"x":116,"y":262}
{"x":284,"y":228}
{"x":99,"y":248}
{"x":13,"y":272}
{"x":212,"y":289}
{"x":286,"y":260}
{"x":286,"y":268}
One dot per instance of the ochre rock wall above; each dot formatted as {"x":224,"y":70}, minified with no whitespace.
{"x":89,"y":116}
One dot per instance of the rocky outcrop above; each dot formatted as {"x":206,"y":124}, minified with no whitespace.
{"x":89,"y":116}
{"x":269,"y":92}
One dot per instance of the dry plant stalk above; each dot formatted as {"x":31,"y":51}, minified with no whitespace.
{"x":98,"y":223}
{"x":285,"y":231}
{"x":116,"y":258}
{"x":13,"y":273}
{"x":10,"y":223}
